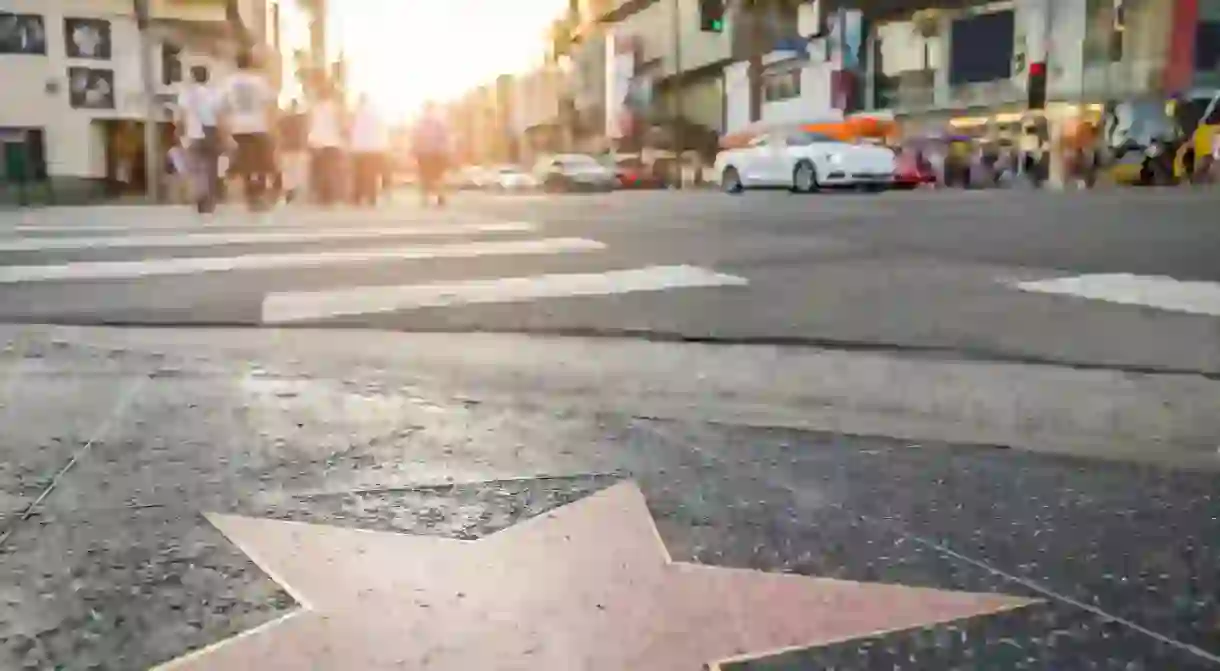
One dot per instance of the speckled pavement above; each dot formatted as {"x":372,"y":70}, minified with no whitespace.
{"x":111,"y":455}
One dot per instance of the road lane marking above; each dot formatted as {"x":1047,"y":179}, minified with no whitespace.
{"x":1154,"y":291}
{"x":286,"y":307}
{"x":255,"y":237}
{"x":112,"y":270}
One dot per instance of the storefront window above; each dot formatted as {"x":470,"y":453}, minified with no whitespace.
{"x":782,"y":84}
{"x":1137,"y":123}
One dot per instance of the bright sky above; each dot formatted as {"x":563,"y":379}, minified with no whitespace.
{"x":404,"y":52}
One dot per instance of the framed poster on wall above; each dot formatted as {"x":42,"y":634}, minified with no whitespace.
{"x":91,"y":88}
{"x":22,"y":34}
{"x":87,"y":38}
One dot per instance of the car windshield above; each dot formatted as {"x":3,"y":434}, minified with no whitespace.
{"x":807,"y":138}
{"x":1138,"y":123}
{"x":577,"y":162}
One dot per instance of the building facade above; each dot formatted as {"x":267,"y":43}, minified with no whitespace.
{"x":1193,"y":60}
{"x":928,"y":63}
{"x":976,"y":56}
{"x":795,"y":82}
{"x":483,"y":120}
{"x":965,"y":63}
{"x":74,"y":93}
{"x":538,"y":98}
{"x":675,"y":72}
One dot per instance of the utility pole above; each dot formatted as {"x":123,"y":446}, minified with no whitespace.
{"x":676,"y":128}
{"x":152,"y":136}
{"x":754,"y":46}
{"x":1050,"y":139}
{"x":1114,"y":46}
{"x":317,"y":34}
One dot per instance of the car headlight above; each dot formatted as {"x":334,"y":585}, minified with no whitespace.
{"x":835,"y":159}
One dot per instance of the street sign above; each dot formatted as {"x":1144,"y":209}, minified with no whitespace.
{"x":797,"y":44}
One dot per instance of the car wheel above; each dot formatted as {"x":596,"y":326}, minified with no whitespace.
{"x":1146,"y":177}
{"x":804,"y":178}
{"x":731,"y":181}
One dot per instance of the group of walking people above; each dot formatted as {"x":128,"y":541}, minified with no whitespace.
{"x":320,"y":152}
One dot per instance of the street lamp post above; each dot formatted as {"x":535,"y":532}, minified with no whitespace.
{"x":152,"y":137}
{"x":676,"y":128}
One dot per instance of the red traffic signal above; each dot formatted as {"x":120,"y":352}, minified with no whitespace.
{"x":1037,"y":85}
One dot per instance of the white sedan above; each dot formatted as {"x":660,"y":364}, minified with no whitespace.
{"x":804,"y":162}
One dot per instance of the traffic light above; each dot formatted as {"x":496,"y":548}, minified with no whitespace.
{"x":1117,"y":30}
{"x":1037,"y":85}
{"x":711,"y":16}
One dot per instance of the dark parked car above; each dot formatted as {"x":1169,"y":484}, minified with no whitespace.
{"x":633,"y":173}
{"x":574,"y":172}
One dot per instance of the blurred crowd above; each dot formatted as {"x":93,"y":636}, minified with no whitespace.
{"x":232,"y":140}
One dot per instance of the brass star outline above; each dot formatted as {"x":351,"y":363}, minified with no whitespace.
{"x":589,"y":585}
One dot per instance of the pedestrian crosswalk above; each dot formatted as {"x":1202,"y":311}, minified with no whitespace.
{"x":110,"y":270}
{"x":246,"y":237}
{"x":1151,"y":291}
{"x":295,"y":267}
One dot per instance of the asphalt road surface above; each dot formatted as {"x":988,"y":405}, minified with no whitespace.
{"x":843,"y":432}
{"x":1117,"y":279}
{"x":170,"y":491}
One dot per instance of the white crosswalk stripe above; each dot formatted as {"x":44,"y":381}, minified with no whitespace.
{"x":281,"y":308}
{"x":253,"y":237}
{"x":375,"y":266}
{"x":180,"y":219}
{"x":112,"y":270}
{"x":1160,"y":292}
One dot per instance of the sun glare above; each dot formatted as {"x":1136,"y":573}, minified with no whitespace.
{"x":405,"y":52}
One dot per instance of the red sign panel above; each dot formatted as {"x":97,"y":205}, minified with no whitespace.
{"x":1180,"y":64}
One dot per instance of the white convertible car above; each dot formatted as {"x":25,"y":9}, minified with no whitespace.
{"x":804,"y":162}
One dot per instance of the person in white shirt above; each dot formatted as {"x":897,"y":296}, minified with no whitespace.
{"x":197,"y":119}
{"x":431,"y":144}
{"x":294,"y":156}
{"x":370,"y":143}
{"x":327,"y":131}
{"x":178,"y":171}
{"x":250,"y":116}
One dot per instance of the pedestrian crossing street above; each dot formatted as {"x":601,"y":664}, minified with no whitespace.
{"x":299,"y":265}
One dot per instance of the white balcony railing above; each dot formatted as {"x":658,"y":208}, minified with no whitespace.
{"x":183,"y":10}
{"x":981,"y":94}
{"x":180,"y":10}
